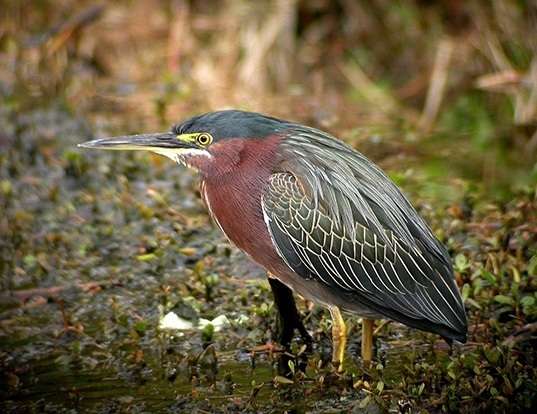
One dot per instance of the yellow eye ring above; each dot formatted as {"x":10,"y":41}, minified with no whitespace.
{"x":204,"y":139}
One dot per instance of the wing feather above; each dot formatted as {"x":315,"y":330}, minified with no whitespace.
{"x":400,"y":280}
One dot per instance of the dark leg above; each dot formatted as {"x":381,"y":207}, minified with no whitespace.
{"x":288,"y":317}
{"x":288,"y":321}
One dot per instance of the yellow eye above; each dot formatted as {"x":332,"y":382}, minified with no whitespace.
{"x":204,"y":139}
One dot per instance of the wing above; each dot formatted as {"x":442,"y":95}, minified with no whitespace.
{"x":372,"y":264}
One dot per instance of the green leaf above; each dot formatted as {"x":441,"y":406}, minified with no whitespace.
{"x":472,"y":302}
{"x":461,"y":263}
{"x":282,"y":380}
{"x":140,"y":327}
{"x":489,"y":277}
{"x":123,"y":320}
{"x":380,"y":386}
{"x":532,"y":266}
{"x":465,"y":292}
{"x":207,"y":333}
{"x":291,"y":365}
{"x":527,"y":301}
{"x":146,"y":257}
{"x":492,"y":355}
{"x":5,"y":187}
{"x":29,"y":260}
{"x":504,"y":300}
{"x":421,"y":388}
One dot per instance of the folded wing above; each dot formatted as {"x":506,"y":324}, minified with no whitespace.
{"x":358,"y":249}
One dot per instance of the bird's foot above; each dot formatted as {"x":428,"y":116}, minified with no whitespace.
{"x":339,"y":338}
{"x":367,"y":341}
{"x":286,"y":334}
{"x":288,"y":317}
{"x":289,"y":320}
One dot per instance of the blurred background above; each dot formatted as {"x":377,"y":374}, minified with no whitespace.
{"x":442,"y":94}
{"x":462,"y":72}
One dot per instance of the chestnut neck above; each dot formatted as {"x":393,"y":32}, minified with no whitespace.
{"x":238,"y":157}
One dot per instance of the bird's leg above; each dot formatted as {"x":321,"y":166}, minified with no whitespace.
{"x":288,"y":321}
{"x":339,"y":337}
{"x":288,"y":316}
{"x":367,"y":340}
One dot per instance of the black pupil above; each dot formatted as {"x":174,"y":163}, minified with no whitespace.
{"x":204,"y":139}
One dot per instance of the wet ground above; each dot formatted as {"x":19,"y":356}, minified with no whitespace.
{"x":98,"y":247}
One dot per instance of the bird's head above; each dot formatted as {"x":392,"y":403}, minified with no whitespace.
{"x":214,"y":138}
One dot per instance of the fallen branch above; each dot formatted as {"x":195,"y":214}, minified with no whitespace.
{"x":62,"y":31}
{"x":522,"y":334}
{"x":54,"y":291}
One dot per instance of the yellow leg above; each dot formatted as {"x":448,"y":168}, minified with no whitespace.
{"x":339,"y":337}
{"x":367,"y":340}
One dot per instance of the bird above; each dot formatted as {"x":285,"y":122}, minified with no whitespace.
{"x":324,"y":221}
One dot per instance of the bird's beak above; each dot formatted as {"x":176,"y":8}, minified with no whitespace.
{"x":150,"y":142}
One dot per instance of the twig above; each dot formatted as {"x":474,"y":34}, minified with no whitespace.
{"x":522,"y":334}
{"x":260,"y":42}
{"x":180,"y":39}
{"x":380,"y":326}
{"x":62,"y":31}
{"x":499,"y":81}
{"x":54,"y":291}
{"x":437,"y":86}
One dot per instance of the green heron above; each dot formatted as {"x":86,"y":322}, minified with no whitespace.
{"x":324,"y":221}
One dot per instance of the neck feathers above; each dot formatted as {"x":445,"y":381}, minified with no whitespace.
{"x":247,"y":159}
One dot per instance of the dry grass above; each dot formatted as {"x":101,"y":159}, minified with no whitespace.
{"x":190,"y":56}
